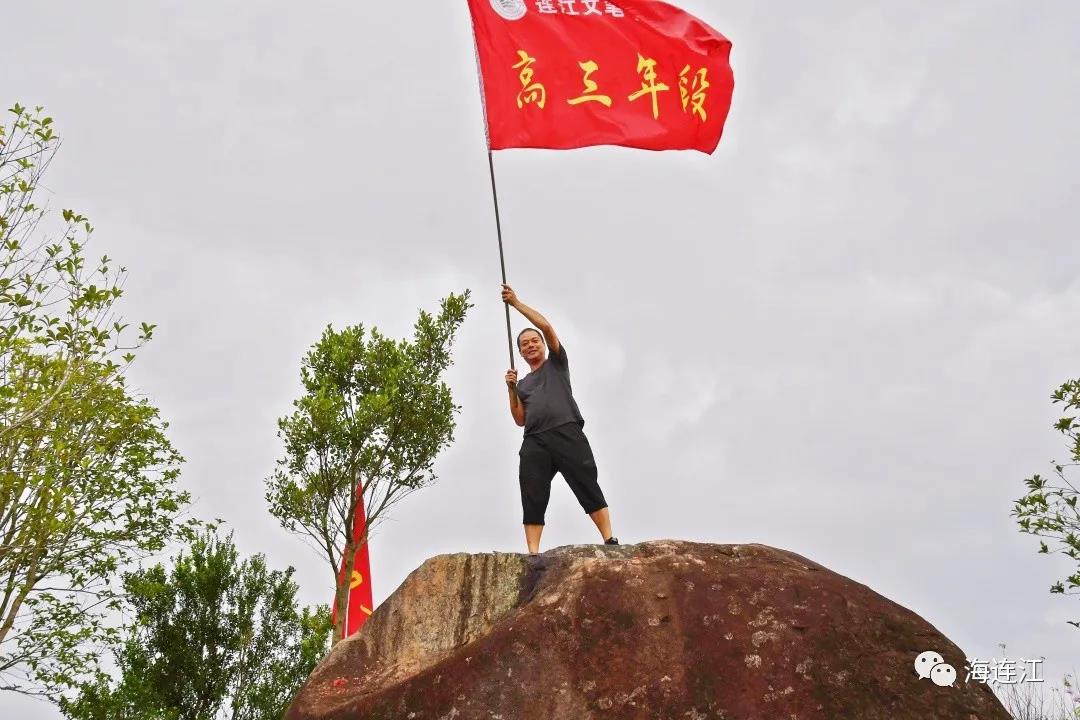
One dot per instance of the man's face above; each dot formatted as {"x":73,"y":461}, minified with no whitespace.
{"x":532,"y":346}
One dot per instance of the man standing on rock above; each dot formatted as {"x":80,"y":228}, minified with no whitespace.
{"x":543,"y":403}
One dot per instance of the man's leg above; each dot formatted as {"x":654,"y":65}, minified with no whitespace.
{"x":574,"y":459}
{"x":603,"y":522}
{"x":532,"y":537}
{"x":535,"y":471}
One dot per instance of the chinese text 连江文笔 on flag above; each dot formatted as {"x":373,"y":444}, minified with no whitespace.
{"x":360,"y":596}
{"x":565,"y":74}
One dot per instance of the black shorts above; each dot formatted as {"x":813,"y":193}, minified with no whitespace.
{"x":563,"y":449}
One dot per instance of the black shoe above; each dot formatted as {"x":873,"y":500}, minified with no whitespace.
{"x":612,"y":541}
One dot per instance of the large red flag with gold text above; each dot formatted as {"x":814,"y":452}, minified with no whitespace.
{"x":360,"y":597}
{"x":571,"y":73}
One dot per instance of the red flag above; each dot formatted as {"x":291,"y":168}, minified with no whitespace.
{"x":571,"y":73}
{"x":359,"y":603}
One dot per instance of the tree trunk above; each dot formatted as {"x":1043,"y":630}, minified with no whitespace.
{"x":341,"y":597}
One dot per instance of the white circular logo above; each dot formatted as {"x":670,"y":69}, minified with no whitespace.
{"x":509,"y":9}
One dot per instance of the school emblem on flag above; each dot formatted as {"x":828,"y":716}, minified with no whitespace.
{"x":509,"y":9}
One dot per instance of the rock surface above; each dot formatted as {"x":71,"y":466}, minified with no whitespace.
{"x":665,"y":630}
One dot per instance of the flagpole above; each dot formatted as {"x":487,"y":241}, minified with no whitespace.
{"x":502,"y":257}
{"x":494,"y":192}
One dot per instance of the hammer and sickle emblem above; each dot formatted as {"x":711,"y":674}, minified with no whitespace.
{"x":357,"y":580}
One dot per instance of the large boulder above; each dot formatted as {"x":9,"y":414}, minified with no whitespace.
{"x":665,"y":630}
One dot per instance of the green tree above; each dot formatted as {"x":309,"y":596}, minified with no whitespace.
{"x":375,"y":414}
{"x":214,"y":637}
{"x":1049,"y":509}
{"x":87,"y":475}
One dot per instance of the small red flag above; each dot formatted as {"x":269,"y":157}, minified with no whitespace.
{"x":571,"y":73}
{"x":360,"y":599}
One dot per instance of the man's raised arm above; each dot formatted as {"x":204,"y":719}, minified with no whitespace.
{"x":541,"y":323}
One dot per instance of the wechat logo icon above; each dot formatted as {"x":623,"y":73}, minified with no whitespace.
{"x":930,"y":665}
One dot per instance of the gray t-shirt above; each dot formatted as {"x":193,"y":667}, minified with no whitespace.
{"x":548,"y":398}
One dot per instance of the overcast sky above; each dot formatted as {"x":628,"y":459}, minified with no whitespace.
{"x":838,"y":335}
